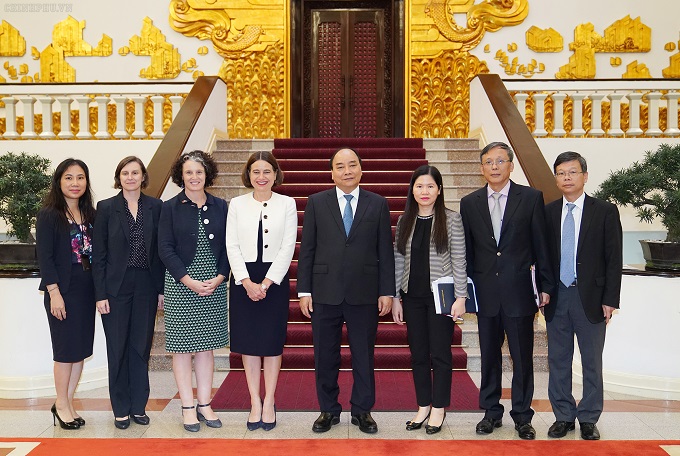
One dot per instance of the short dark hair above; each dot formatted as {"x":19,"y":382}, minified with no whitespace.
{"x":336,"y":153}
{"x":198,"y":156}
{"x":497,"y":145}
{"x":123,"y":163}
{"x":570,"y":156}
{"x":269,"y":158}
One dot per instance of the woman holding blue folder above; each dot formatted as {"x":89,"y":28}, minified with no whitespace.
{"x":430,"y":244}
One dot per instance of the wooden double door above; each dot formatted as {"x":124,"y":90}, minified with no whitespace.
{"x":346,"y":62}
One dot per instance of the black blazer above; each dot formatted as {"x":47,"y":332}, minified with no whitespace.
{"x":599,"y":255}
{"x":333,"y":267}
{"x":111,"y":245}
{"x":501,"y":273}
{"x":54,"y":250}
{"x":178,"y":233}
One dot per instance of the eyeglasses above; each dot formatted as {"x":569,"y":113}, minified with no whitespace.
{"x":571,"y":174}
{"x":500,"y":162}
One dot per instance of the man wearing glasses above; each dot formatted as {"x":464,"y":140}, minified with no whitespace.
{"x":505,"y":234}
{"x":585,"y":239}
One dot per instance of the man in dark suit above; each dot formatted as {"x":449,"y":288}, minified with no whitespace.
{"x":505,"y":235}
{"x":345,"y":268}
{"x":585,"y":239}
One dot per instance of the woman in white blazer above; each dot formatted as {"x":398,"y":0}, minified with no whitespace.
{"x":261,"y":234}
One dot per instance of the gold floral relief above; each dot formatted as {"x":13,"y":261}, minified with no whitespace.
{"x":606,"y":115}
{"x":567,"y":114}
{"x":586,"y":114}
{"x":549,"y":118}
{"x":440,"y":94}
{"x":256,"y":85}
{"x":530,"y":116}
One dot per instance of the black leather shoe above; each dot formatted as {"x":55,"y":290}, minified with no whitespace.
{"x":560,"y":428}
{"x":487,"y":425}
{"x":79,"y":420}
{"x":122,"y":424}
{"x":414,"y":425}
{"x":365,"y":423}
{"x":589,"y":431}
{"x":144,"y":420}
{"x":324,"y":422}
{"x":435,"y":429}
{"x":525,"y":431}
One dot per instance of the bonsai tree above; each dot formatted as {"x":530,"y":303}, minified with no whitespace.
{"x":24,"y":180}
{"x":651,"y":186}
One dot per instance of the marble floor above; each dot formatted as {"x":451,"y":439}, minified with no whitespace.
{"x":625,"y":417}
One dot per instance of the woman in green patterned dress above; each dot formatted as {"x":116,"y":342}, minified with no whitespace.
{"x":191,"y":243}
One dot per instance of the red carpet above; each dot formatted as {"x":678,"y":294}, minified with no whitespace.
{"x":296,"y":392}
{"x":332,"y":447}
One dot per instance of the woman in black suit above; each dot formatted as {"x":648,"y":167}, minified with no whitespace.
{"x":64,"y":233}
{"x":128,"y":282}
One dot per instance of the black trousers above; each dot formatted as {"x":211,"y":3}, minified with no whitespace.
{"x":429,"y":338}
{"x":362,"y":326}
{"x":520,"y":334}
{"x":129,"y":331}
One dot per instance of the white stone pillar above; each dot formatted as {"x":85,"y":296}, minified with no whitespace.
{"x":653,"y":114}
{"x":139,"y":132}
{"x":577,"y":115}
{"x":10,"y":118}
{"x":634,"y":114}
{"x":158,"y":101}
{"x":615,"y":114}
{"x":176,"y":101}
{"x":46,"y":111}
{"x":558,"y":114}
{"x":84,"y":117}
{"x":672,"y":114}
{"x":539,"y":108}
{"x":65,"y":103}
{"x":29,"y":124}
{"x":120,"y":132}
{"x":596,"y":115}
{"x":521,"y":100}
{"x":102,"y":117}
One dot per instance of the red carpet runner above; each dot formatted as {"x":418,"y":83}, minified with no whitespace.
{"x":334,"y":447}
{"x":387,"y":164}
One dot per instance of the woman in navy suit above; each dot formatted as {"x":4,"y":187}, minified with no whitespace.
{"x":128,"y":281}
{"x":64,"y":233}
{"x":191,"y":244}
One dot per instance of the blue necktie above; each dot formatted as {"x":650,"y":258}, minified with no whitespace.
{"x":347,"y":216}
{"x":567,"y":273}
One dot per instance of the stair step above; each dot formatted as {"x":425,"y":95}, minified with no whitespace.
{"x":386,"y":358}
{"x":366,"y":165}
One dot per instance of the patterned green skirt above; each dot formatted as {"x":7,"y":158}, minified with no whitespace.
{"x":196,"y":323}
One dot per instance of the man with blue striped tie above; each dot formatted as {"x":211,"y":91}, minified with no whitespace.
{"x":585,"y":239}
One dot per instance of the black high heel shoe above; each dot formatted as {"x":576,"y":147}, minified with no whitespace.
{"x":255,"y":425}
{"x":269,"y":426}
{"x":79,"y":420}
{"x":195,"y":427}
{"x":414,"y":425}
{"x":64,"y":425}
{"x":434,"y":429}
{"x":210,"y":423}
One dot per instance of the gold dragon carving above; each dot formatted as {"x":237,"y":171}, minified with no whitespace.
{"x":441,"y":64}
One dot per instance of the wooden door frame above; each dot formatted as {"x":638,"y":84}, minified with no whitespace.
{"x":396,"y":41}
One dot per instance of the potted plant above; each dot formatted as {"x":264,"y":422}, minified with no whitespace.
{"x":652,"y":186}
{"x":24,"y":181}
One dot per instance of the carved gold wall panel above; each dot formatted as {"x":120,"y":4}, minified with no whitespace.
{"x":440,"y":94}
{"x":438,"y":85}
{"x":673,"y":70}
{"x":68,"y":35}
{"x":635,"y":70}
{"x":165,"y":58}
{"x":256,"y":86}
{"x":12,"y":44}
{"x":544,"y":40}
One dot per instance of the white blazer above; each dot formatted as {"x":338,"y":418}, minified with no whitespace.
{"x":279,"y":233}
